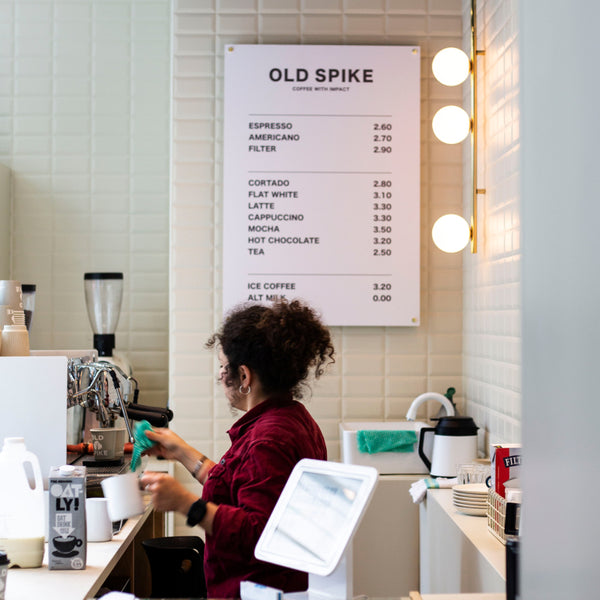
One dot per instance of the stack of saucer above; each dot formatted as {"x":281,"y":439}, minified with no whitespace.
{"x":470,"y":498}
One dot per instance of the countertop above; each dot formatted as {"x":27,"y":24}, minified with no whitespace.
{"x":28,"y":584}
{"x":457,"y":597}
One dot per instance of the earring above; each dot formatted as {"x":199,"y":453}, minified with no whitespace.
{"x":241,"y":390}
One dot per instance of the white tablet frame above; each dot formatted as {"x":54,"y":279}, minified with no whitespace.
{"x":367,"y":479}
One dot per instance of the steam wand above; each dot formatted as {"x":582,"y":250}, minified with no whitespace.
{"x":122,"y":404}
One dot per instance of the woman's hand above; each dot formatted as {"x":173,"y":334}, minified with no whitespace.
{"x":167,"y":493}
{"x":168,"y":444}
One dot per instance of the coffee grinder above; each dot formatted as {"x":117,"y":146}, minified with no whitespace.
{"x":103,"y":297}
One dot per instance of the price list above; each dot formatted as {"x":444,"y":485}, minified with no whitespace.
{"x":321,"y":180}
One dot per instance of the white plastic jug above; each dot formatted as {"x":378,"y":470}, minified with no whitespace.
{"x":22,"y":513}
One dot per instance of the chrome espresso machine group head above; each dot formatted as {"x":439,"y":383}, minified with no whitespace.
{"x":106,"y":390}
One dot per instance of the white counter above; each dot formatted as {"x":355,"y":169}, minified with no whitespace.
{"x":457,"y":552}
{"x":463,"y":597}
{"x":458,"y":558}
{"x":102,"y":559}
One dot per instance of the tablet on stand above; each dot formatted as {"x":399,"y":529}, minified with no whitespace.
{"x":313,"y":522}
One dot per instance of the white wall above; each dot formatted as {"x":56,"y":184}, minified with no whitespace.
{"x":84,"y":125}
{"x":84,"y":128}
{"x":492,"y":277}
{"x":561,"y":296}
{"x":379,"y":371}
{"x":4,"y":221}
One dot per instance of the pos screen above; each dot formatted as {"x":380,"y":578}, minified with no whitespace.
{"x":317,"y":513}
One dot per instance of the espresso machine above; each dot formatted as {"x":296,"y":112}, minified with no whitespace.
{"x":101,"y":390}
{"x":99,"y":386}
{"x":102,"y":394}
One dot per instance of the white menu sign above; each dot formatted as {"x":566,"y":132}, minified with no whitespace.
{"x":321,"y":180}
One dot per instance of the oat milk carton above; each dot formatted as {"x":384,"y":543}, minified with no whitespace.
{"x":66,"y":514}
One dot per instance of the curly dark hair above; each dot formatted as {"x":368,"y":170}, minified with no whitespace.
{"x":281,"y":343}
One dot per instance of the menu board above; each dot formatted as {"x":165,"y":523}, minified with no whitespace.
{"x":321,"y":180}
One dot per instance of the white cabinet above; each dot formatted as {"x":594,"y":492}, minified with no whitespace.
{"x":386,"y":545}
{"x":457,"y":552}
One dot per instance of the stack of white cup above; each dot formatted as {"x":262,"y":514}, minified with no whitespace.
{"x":14,"y":340}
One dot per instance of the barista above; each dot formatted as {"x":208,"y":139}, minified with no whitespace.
{"x":266,"y":354}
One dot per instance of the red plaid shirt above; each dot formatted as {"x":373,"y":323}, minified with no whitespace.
{"x":266,"y":444}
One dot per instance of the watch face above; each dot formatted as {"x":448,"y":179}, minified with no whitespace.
{"x":196,"y":513}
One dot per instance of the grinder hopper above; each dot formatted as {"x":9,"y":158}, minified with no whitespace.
{"x":103,"y":297}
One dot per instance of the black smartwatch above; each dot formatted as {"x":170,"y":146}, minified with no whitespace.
{"x":196,"y":513}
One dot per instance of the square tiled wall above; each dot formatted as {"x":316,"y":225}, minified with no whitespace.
{"x":379,"y":371}
{"x":91,"y":93}
{"x":492,"y":278}
{"x":84,"y":129}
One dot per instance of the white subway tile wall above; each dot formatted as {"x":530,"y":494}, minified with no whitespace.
{"x":84,"y":128}
{"x":492,"y":278}
{"x":379,"y":371}
{"x":86,"y":108}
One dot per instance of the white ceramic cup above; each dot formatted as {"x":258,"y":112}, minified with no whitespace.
{"x":108,"y":442}
{"x":99,"y":525}
{"x":124,"y":496}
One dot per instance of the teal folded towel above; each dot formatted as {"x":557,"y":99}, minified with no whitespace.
{"x":140,"y":443}
{"x":377,"y":440}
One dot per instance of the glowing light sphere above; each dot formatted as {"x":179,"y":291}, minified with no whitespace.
{"x":451,"y":233}
{"x":451,"y":66}
{"x":451,"y":124}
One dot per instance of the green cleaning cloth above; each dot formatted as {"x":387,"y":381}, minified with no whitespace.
{"x":140,"y":443}
{"x":377,"y":440}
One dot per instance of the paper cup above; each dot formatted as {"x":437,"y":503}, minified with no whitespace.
{"x":108,"y":443}
{"x":99,"y":525}
{"x":5,"y":316}
{"x":15,"y":341}
{"x":11,"y":294}
{"x":124,"y":496}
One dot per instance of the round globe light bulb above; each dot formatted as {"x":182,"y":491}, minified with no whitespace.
{"x":451,"y":124}
{"x":451,"y":233}
{"x":451,"y":66}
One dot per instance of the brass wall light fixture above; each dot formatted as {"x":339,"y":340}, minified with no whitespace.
{"x":452,"y":125}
